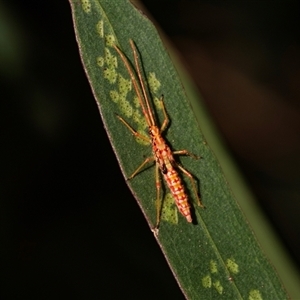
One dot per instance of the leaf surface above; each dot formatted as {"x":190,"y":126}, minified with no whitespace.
{"x":218,"y":256}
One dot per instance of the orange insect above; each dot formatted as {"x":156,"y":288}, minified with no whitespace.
{"x":162,"y":153}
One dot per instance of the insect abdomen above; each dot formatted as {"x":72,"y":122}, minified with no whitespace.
{"x":177,"y":189}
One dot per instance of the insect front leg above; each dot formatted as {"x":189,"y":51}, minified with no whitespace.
{"x":133,"y":131}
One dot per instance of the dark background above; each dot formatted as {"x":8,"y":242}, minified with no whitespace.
{"x":69,"y":226}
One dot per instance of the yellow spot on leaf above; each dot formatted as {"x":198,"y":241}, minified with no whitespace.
{"x":110,"y":59}
{"x":139,"y":119}
{"x":153,"y":82}
{"x":86,"y":6}
{"x":206,"y":281}
{"x":217,"y":285}
{"x":114,"y":95}
{"x":232,"y":266}
{"x":136,"y":116}
{"x":169,"y":210}
{"x":100,"y":61}
{"x":136,"y":101}
{"x":110,"y":74}
{"x":124,"y":85}
{"x":100,"y":28}
{"x":144,"y":124}
{"x":110,"y":40}
{"x":157,"y":103}
{"x":213,"y":266}
{"x":125,"y":107}
{"x":255,"y":295}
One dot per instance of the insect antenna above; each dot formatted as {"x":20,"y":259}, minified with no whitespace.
{"x":139,"y":73}
{"x":139,"y":86}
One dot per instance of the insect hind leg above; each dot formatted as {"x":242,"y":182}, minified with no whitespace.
{"x":191,"y":177}
{"x":188,"y":174}
{"x":158,"y":198}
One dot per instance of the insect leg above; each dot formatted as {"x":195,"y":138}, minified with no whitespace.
{"x":190,"y":176}
{"x":166,"y":118}
{"x":148,"y":159}
{"x":133,"y":131}
{"x":185,"y":152}
{"x":158,"y":196}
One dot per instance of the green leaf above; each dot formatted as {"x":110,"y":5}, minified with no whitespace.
{"x":218,"y":256}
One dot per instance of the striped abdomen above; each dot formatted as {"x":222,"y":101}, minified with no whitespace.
{"x":177,"y":189}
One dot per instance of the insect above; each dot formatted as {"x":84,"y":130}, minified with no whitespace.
{"x":162,"y":153}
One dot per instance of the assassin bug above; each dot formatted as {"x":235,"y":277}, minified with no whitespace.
{"x":162,"y":153}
